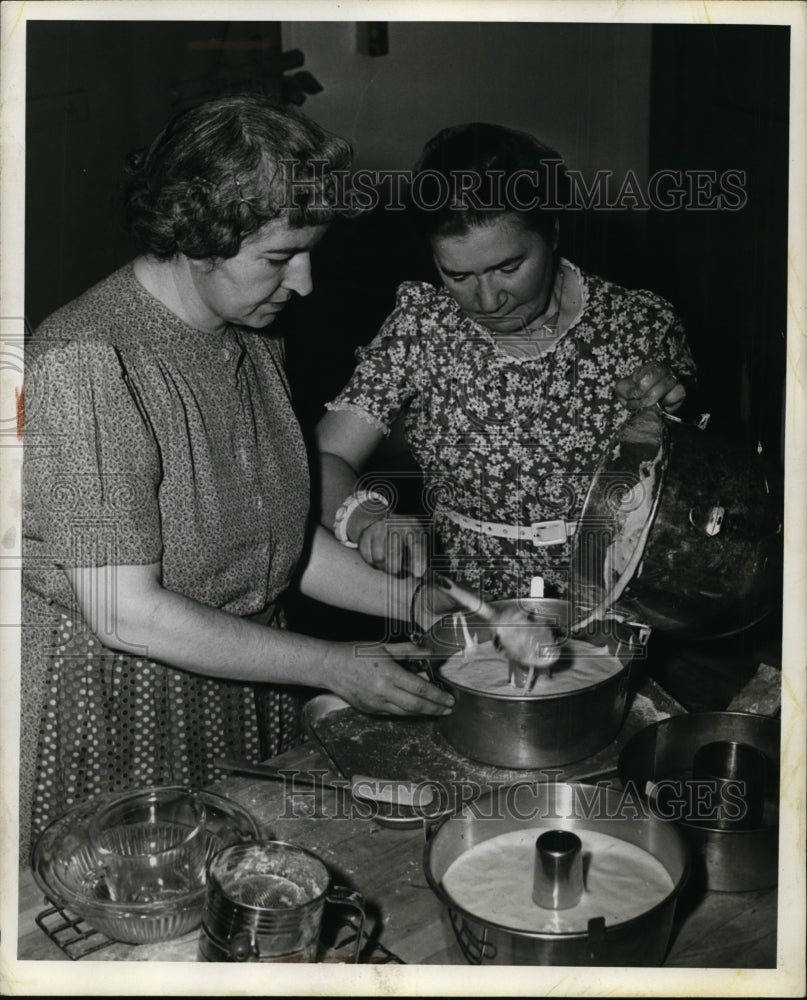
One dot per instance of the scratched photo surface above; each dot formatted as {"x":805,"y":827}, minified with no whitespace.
{"x":680,"y":234}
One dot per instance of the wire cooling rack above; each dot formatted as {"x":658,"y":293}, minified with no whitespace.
{"x":70,"y":933}
{"x":76,"y":939}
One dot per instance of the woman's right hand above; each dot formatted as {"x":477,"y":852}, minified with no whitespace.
{"x":651,"y":384}
{"x":397,"y":544}
{"x":368,"y":678}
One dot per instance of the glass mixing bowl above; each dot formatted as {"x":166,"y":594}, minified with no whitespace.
{"x":66,"y":868}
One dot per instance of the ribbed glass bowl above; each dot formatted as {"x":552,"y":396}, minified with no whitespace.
{"x":66,"y":869}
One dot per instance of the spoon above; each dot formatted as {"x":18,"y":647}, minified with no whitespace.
{"x":522,"y":639}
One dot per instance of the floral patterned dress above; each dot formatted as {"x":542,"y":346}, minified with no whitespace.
{"x":149,"y":441}
{"x":504,"y":439}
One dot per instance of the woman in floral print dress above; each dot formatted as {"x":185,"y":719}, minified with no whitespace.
{"x":511,"y":378}
{"x":166,"y":492}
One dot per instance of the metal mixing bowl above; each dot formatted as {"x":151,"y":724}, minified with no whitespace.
{"x":66,"y":869}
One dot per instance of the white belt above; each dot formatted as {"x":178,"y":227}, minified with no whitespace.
{"x":539,"y":532}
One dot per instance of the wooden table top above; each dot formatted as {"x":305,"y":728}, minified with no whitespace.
{"x":405,"y":918}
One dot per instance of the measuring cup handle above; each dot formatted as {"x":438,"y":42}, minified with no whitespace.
{"x":340,"y":895}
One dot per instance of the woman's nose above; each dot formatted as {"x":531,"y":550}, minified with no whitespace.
{"x":298,"y":274}
{"x":490,"y":297}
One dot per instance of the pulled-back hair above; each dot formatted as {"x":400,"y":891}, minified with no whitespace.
{"x":468,"y":175}
{"x":223,"y":169}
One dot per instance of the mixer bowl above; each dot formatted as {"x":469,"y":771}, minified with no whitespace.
{"x":681,"y":526}
{"x":65,"y":868}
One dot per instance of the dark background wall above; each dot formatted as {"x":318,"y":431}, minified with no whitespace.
{"x":720,"y":101}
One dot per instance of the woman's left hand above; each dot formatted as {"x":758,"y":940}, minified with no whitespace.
{"x":374,"y":681}
{"x":650,"y":384}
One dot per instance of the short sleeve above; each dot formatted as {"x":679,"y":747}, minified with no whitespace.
{"x":390,"y":368}
{"x":91,"y":467}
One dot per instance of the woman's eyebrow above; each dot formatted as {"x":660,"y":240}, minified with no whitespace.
{"x":286,"y":248}
{"x":305,"y":246}
{"x":493,"y":267}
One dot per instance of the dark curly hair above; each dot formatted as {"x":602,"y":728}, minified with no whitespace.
{"x":470,"y":174}
{"x":221,"y":170}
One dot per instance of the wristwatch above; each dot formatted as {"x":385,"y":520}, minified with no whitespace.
{"x":343,"y":514}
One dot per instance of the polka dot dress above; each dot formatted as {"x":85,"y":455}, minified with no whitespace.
{"x":148,"y":441}
{"x":112,"y":721}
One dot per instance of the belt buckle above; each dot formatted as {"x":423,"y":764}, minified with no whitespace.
{"x":548,"y":532}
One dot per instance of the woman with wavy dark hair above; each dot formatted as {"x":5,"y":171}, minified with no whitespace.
{"x":166,"y":488}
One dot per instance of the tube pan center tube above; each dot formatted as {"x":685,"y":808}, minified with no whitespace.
{"x":558,"y":874}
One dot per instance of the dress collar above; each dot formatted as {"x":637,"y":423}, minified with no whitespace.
{"x":172,"y":333}
{"x":573,"y":303}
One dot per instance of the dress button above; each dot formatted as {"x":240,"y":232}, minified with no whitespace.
{"x":226,"y":354}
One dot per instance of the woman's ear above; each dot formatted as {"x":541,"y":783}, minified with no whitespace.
{"x":202,"y":265}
